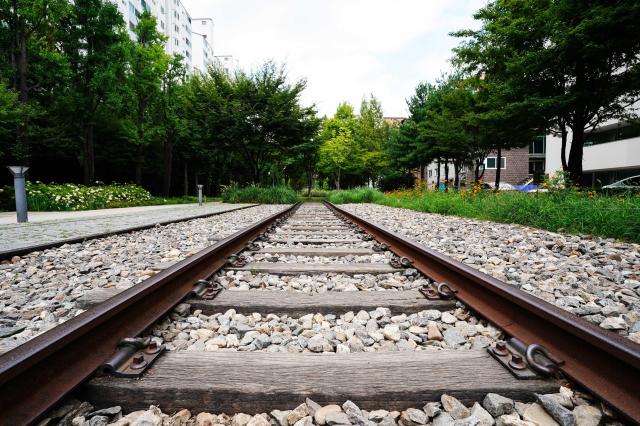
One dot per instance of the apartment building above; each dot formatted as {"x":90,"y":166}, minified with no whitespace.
{"x":173,"y":21}
{"x":611,"y":153}
{"x":202,"y":37}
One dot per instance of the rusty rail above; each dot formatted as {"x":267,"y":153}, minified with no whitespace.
{"x":37,"y":374}
{"x":605,"y":363}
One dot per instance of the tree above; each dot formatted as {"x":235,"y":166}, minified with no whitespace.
{"x":336,"y":154}
{"x":372,"y":133}
{"x":563,"y":64}
{"x":93,"y":40}
{"x":10,"y":116}
{"x":168,"y":106}
{"x":24,"y":27}
{"x":149,"y":63}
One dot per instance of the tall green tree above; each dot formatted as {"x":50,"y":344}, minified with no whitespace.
{"x":372,"y":133}
{"x":340,"y":151}
{"x":170,"y":113}
{"x":148,"y":62}
{"x":26,"y":36}
{"x":560,"y":64}
{"x":10,"y":117}
{"x":94,"y":43}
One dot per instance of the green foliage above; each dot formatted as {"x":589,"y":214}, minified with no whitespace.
{"x":395,"y":180}
{"x":567,"y":211}
{"x":60,"y":197}
{"x":555,"y":65}
{"x":257,"y":194}
{"x":357,"y":195}
{"x":70,"y":197}
{"x":354,"y":145}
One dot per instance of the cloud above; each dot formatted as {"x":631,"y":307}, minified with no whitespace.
{"x":345,"y":49}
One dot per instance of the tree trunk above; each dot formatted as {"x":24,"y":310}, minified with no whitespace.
{"x":563,"y":146}
{"x":421,"y":172}
{"x":207,"y":183}
{"x":186,"y":178}
{"x":168,"y":163}
{"x":89,"y":156}
{"x":338,"y":181}
{"x":456,"y":170}
{"x":139,"y":164}
{"x":309,"y":182}
{"x":438,"y":176}
{"x":498,"y":168}
{"x":575,"y":155}
{"x":446,"y":175}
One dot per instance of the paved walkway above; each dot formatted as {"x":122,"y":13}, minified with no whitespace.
{"x":52,"y":227}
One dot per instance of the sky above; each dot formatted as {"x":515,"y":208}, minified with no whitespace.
{"x":344,"y":49}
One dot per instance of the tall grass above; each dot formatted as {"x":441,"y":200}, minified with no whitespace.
{"x":256,"y":194}
{"x":358,"y":195}
{"x":560,"y":211}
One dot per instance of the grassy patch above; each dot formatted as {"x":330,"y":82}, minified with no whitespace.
{"x":559,"y":211}
{"x":263,"y":195}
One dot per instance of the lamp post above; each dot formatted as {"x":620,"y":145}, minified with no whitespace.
{"x":199,"y":195}
{"x":19,"y":186}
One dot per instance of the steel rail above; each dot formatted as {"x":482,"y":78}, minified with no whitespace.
{"x":8,"y":254}
{"x":606,"y":364}
{"x":36,"y":375}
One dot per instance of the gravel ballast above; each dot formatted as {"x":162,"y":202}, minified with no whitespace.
{"x":566,"y":407}
{"x":595,"y":278}
{"x":321,"y":283}
{"x":372,"y":331}
{"x":38,"y":290}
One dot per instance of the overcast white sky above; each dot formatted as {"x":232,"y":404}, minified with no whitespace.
{"x":345,"y":49}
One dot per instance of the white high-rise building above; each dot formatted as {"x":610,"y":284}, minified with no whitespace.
{"x":227,"y":62}
{"x":173,"y":21}
{"x":202,"y":37}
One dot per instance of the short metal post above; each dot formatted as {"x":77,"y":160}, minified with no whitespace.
{"x":20,"y":189}
{"x":200,"y":195}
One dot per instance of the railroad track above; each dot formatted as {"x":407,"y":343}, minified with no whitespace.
{"x":246,"y":326}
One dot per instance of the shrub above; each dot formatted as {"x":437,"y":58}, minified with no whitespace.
{"x":358,"y":195}
{"x":256,"y":194}
{"x":68,"y":196}
{"x":396,"y":181}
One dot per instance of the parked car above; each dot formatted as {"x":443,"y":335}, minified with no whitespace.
{"x":503,"y":186}
{"x":629,"y":184}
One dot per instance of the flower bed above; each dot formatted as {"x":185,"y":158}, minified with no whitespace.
{"x":68,"y":197}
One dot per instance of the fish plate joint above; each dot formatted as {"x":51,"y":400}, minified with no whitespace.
{"x":206,"y":290}
{"x":525,"y":362}
{"x":133,"y":357}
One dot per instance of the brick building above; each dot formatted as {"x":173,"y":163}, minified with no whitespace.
{"x":517,"y":166}
{"x":514,"y":167}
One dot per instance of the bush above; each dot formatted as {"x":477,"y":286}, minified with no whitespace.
{"x":358,"y":195}
{"x":574,"y":212}
{"x":68,"y":196}
{"x":397,"y":181}
{"x":262,"y":195}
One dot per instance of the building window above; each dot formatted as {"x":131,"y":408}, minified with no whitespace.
{"x":162,"y":24}
{"x":622,"y":131}
{"x":538,"y":145}
{"x":430,"y":173}
{"x":490,"y":162}
{"x":177,"y":42}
